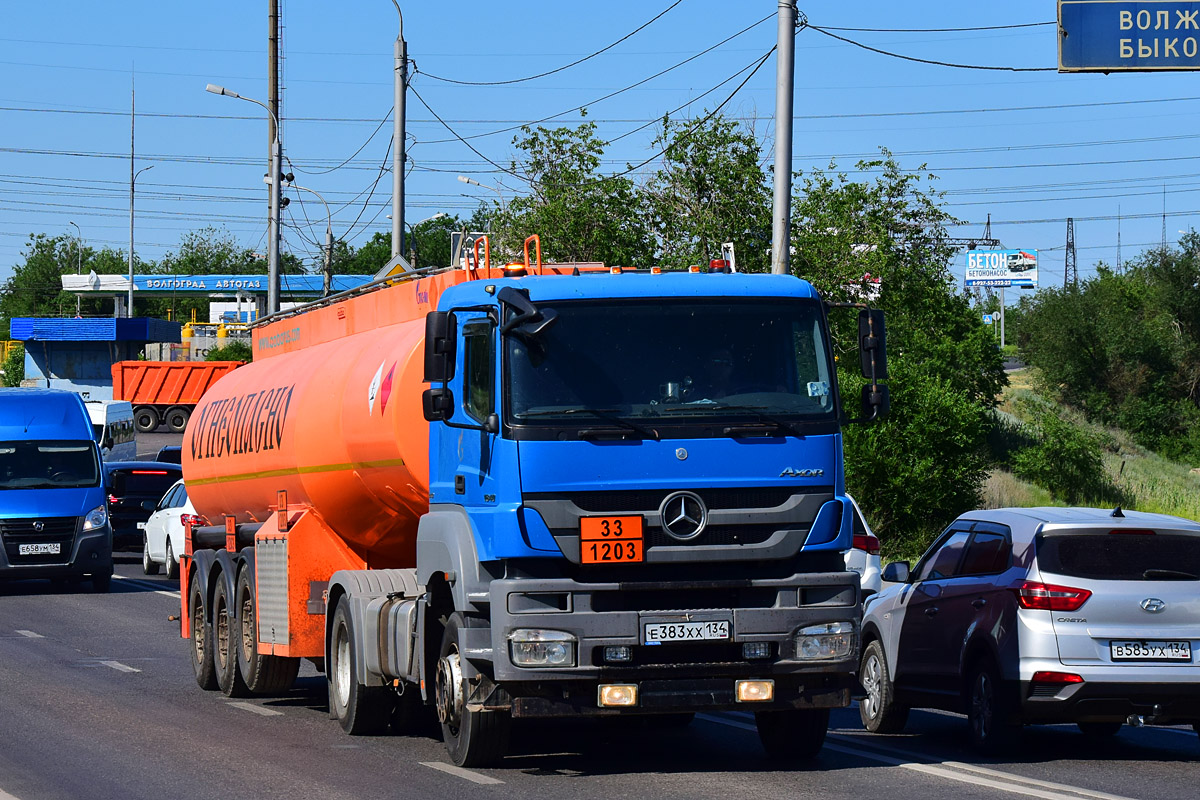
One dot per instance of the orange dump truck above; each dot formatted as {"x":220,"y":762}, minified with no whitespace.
{"x":513,"y":493}
{"x":165,"y":392}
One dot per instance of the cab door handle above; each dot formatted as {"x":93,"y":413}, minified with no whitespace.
{"x":979,"y":602}
{"x":931,"y":611}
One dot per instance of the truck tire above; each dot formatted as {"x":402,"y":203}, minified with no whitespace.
{"x":360,"y":710}
{"x":145,"y":418}
{"x":224,"y":641}
{"x":792,"y":734}
{"x":879,"y":711}
{"x":202,"y":648}
{"x":177,"y":418}
{"x":472,"y":738}
{"x":149,"y":565}
{"x":264,"y":675}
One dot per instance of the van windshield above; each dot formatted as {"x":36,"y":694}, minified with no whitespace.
{"x":48,"y":465}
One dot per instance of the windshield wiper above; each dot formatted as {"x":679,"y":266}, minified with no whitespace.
{"x":1168,"y":575}
{"x":606,"y":414}
{"x":765,"y":421}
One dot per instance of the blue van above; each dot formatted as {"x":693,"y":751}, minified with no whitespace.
{"x":53,"y":510}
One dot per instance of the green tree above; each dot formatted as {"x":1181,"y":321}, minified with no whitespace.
{"x":579,"y":214}
{"x":710,"y":189}
{"x":428,"y":243}
{"x":885,"y":240}
{"x":13,"y":367}
{"x":35,"y":287}
{"x":235,"y":350}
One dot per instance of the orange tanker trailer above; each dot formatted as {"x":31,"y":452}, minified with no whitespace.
{"x":519,"y":493}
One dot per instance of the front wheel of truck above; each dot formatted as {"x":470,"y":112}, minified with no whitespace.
{"x":792,"y":734}
{"x":360,"y":710}
{"x":473,"y":738}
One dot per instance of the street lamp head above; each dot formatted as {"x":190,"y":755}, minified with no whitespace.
{"x":212,"y":87}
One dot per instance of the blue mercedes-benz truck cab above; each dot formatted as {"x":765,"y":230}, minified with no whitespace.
{"x":53,"y":514}
{"x":637,"y":495}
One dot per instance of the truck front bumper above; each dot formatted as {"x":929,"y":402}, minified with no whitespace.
{"x":608,"y":624}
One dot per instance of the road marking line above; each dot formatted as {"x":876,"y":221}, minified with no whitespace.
{"x":952,"y":770}
{"x":146,"y":585}
{"x":465,"y":774}
{"x":31,"y":635}
{"x":265,"y":712}
{"x":6,"y":796}
{"x":119,"y":667}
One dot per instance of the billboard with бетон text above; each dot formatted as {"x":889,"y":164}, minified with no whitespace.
{"x":1001,"y":268}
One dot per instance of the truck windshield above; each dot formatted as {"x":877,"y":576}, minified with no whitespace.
{"x":673,"y":361}
{"x":48,"y":465}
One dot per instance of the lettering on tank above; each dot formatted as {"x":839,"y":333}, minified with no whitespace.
{"x":246,"y":423}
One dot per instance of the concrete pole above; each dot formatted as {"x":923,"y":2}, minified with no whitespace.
{"x":273,"y":232}
{"x":132,"y":181}
{"x":79,"y":260}
{"x":401,"y":89}
{"x":1001,"y":317}
{"x":785,"y":67}
{"x":327,"y":287}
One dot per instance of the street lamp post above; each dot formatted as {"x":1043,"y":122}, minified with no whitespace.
{"x":275,"y":181}
{"x":132,"y":181}
{"x":413,"y":228}
{"x":474,"y":182}
{"x":78,"y":260}
{"x":327,"y":286}
{"x":400,"y":89}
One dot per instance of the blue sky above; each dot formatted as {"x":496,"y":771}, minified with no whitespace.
{"x":1029,"y":148}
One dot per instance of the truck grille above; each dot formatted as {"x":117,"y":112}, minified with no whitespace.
{"x":55,"y":530}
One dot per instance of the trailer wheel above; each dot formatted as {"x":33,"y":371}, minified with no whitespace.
{"x":177,"y":418}
{"x":201,"y":649}
{"x":360,"y":710}
{"x":145,"y":418}
{"x":792,"y":734}
{"x":224,"y":641}
{"x":264,"y":674}
{"x":473,"y":738}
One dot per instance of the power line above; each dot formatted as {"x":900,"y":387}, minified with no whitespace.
{"x":942,"y":30}
{"x":563,"y":67}
{"x":934,"y":62}
{"x":363,"y":146}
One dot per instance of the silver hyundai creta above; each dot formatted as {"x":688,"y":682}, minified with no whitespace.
{"x":1040,"y":615}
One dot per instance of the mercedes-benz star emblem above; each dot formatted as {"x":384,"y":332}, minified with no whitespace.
{"x":681,"y":454}
{"x":39,"y":526}
{"x":683,"y":515}
{"x":1153,"y":605}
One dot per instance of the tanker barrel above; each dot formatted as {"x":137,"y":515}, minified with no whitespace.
{"x":212,"y":537}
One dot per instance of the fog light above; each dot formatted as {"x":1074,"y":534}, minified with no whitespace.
{"x":539,"y":648}
{"x":755,"y":691}
{"x":618,"y":654}
{"x":756,"y":650}
{"x":617,"y":695}
{"x":826,"y":641}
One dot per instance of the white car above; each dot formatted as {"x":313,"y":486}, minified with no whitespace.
{"x":863,"y":556}
{"x":162,"y":539}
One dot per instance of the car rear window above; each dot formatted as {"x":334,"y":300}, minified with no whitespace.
{"x":149,"y":483}
{"x":1121,"y":556}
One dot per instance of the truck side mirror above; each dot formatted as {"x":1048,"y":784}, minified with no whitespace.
{"x":876,"y":402}
{"x":872,"y":344}
{"x":441,"y":334}
{"x":437,"y":404}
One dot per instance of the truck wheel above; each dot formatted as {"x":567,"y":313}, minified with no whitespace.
{"x":224,"y":648}
{"x":792,"y":734}
{"x":265,"y":675}
{"x":360,"y":710}
{"x":149,"y":566}
{"x":172,"y":562}
{"x":989,"y":711}
{"x":145,"y":418}
{"x":201,"y":649}
{"x":473,"y":738}
{"x":177,"y":418}
{"x":878,"y":710}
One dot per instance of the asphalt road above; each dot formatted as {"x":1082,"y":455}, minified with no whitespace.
{"x":148,"y":444}
{"x":98,"y":701}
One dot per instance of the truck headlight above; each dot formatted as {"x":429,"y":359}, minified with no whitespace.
{"x":826,"y":641}
{"x":532,"y":647}
{"x":96,"y":518}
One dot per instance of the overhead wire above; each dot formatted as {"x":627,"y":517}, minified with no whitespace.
{"x":934,"y":62}
{"x":604,"y":49}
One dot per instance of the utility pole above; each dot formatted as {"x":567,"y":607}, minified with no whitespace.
{"x":400,"y":87}
{"x":785,"y":69}
{"x":132,"y":178}
{"x":275,"y":158}
{"x":1070,"y":274}
{"x":1119,"y":270}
